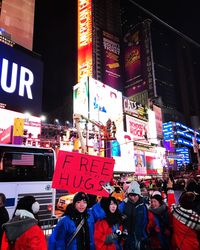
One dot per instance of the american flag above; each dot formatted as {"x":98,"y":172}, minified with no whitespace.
{"x":23,"y":159}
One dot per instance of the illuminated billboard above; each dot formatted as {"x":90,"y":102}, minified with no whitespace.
{"x":81,"y":97}
{"x":84,"y":38}
{"x":105,"y":103}
{"x":138,"y":62}
{"x":21,"y":76}
{"x":138,"y":129}
{"x":111,"y":61}
{"x":125,"y":145}
{"x":31,"y":126}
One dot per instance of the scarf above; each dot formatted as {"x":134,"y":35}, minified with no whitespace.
{"x":158,"y":210}
{"x":186,"y":216}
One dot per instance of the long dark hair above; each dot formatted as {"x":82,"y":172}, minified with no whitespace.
{"x":112,"y":218}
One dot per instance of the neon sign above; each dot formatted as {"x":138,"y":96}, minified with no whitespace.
{"x":84,"y":39}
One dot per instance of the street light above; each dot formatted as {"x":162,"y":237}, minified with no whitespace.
{"x":43,"y":118}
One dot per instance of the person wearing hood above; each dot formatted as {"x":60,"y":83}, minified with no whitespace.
{"x":4,"y":217}
{"x":22,"y":231}
{"x":135,"y":209}
{"x":158,"y":227}
{"x":108,"y":233}
{"x":75,"y":231}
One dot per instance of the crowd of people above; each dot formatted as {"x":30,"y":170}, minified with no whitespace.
{"x":149,"y":217}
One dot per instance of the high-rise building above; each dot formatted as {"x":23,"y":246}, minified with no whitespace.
{"x":17,"y":21}
{"x":175,"y":62}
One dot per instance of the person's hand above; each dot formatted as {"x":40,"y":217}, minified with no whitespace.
{"x":124,"y":235}
{"x":118,"y":233}
{"x":169,"y":184}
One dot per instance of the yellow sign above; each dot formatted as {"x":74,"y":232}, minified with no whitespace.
{"x":18,"y":128}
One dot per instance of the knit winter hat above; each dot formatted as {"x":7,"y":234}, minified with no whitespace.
{"x":157,"y":197}
{"x":80,"y":196}
{"x":26,"y":203}
{"x":134,"y":188}
{"x":187,"y":200}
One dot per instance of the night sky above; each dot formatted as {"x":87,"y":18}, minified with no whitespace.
{"x":55,"y":40}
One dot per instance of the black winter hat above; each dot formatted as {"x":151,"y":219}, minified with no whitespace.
{"x":158,"y":198}
{"x":26,"y":203}
{"x":80,"y":196}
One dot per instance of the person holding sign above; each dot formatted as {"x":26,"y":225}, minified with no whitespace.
{"x":76,"y":229}
{"x":108,"y":233}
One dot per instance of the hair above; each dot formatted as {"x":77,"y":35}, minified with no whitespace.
{"x":112,"y":218}
{"x":3,"y":198}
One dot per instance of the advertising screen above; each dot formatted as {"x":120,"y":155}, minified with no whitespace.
{"x":111,"y":52}
{"x":80,"y":97}
{"x":138,"y":64}
{"x":140,"y":165}
{"x":105,"y":103}
{"x":32,"y":124}
{"x":21,"y":77}
{"x":123,"y":151}
{"x":138,"y":129}
{"x":151,"y":163}
{"x":84,"y":38}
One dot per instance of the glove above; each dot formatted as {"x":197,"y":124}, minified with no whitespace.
{"x":118,"y":233}
{"x":124,"y":234}
{"x":112,"y":237}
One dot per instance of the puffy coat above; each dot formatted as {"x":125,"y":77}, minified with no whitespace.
{"x":32,"y":239}
{"x":159,"y":227}
{"x":66,"y":227}
{"x":137,"y":219}
{"x":102,"y":230}
{"x":186,"y":226}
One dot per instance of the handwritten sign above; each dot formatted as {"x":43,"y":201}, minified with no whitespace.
{"x":77,"y":172}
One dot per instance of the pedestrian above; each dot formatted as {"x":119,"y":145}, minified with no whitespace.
{"x":22,"y":231}
{"x":108,"y":234}
{"x":135,"y":209}
{"x":75,"y":231}
{"x":158,"y":227}
{"x":186,"y":223}
{"x":193,"y":186}
{"x":4,"y":217}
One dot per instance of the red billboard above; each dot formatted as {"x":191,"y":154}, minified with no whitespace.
{"x":84,"y":38}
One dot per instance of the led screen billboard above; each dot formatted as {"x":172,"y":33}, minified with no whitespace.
{"x":21,"y":75}
{"x":84,"y":38}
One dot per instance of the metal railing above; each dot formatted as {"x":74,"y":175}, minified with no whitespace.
{"x":47,"y":226}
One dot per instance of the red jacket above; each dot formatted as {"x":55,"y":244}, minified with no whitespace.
{"x":102,"y":229}
{"x":32,"y":239}
{"x":184,"y":237}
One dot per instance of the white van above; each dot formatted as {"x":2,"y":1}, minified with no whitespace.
{"x":27,"y":171}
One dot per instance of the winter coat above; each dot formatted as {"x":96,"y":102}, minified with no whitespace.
{"x":186,"y":226}
{"x":136,"y":223}
{"x":158,"y":227}
{"x":65,"y":229}
{"x":22,"y":234}
{"x":4,"y":217}
{"x":102,"y":230}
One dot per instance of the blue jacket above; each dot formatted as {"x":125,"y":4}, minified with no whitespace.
{"x":66,"y":227}
{"x":136,"y":223}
